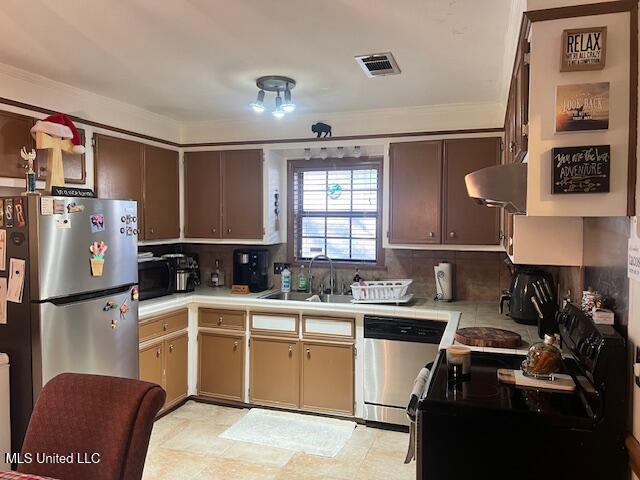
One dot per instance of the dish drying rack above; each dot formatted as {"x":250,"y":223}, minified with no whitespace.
{"x":382,"y":291}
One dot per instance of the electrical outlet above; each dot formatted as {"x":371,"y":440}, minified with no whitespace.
{"x":279,"y":266}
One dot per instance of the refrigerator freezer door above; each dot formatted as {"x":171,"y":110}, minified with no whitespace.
{"x":79,"y":337}
{"x":62,"y":241}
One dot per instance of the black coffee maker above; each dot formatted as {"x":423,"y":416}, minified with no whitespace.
{"x":528,"y":283}
{"x":251,"y":267}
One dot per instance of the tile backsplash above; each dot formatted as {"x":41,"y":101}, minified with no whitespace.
{"x":478,"y":275}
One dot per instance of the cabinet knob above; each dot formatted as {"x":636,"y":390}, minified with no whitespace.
{"x":290,"y":349}
{"x":152,"y":230}
{"x":235,"y":345}
{"x":308,"y":352}
{"x":452,"y":234}
{"x":219,"y":320}
{"x":228,"y":230}
{"x":431,"y":234}
{"x":170,"y":348}
{"x":158,"y":352}
{"x":165,"y":326}
{"x":213,"y":230}
{"x":512,"y":146}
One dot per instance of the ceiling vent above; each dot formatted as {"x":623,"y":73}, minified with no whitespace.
{"x":378,"y":64}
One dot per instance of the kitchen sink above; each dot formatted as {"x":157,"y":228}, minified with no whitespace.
{"x":303,"y":297}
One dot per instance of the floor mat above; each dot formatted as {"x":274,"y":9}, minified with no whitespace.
{"x":301,"y":433}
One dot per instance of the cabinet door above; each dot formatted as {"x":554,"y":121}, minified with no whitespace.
{"x":415,"y":194}
{"x":176,"y":368}
{"x":118,"y":172}
{"x":465,"y":222}
{"x":327,"y":377}
{"x":73,"y":164}
{"x":242,"y":194}
{"x":14,"y":134}
{"x":274,"y":372}
{"x":521,"y":105}
{"x":161,"y":197}
{"x":151,"y":368}
{"x":221,"y":365}
{"x":202,"y":194}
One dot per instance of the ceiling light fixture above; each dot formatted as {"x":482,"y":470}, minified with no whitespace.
{"x":258,"y":105}
{"x":288,"y":106}
{"x":278,"y":112}
{"x":278,"y":85}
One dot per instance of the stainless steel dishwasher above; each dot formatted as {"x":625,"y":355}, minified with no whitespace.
{"x":395,"y":349}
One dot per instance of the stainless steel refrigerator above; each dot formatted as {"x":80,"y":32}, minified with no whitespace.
{"x":75,"y":314}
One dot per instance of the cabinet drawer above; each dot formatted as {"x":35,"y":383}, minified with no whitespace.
{"x":274,"y":324}
{"x":232,"y":319}
{"x":321,"y":327}
{"x":158,"y":326}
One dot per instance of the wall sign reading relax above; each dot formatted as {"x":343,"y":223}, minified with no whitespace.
{"x":581,"y":169}
{"x":584,"y":49}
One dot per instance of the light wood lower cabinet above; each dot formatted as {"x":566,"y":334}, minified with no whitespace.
{"x":165,"y":363}
{"x":274,"y":368}
{"x":327,"y":377}
{"x":176,"y":354}
{"x":221,"y":365}
{"x":151,"y":359}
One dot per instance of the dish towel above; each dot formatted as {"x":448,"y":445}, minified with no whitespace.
{"x":418,"y":389}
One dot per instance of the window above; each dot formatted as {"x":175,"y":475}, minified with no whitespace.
{"x":335,"y":209}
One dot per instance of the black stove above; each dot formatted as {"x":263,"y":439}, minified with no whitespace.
{"x":481,"y":428}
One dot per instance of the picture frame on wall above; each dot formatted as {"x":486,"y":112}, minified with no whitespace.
{"x":583,"y":49}
{"x":584,"y":169}
{"x":582,"y":107}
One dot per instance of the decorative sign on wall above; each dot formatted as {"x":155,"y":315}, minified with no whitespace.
{"x":582,"y":107}
{"x":581,"y":169}
{"x":584,"y":49}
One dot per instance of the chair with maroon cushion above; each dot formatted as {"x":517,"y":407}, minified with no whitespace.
{"x":87,"y":414}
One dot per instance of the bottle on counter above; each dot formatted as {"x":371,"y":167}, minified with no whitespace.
{"x":285,"y":275}
{"x":303,"y":282}
{"x":217,"y":276}
{"x":357,"y":278}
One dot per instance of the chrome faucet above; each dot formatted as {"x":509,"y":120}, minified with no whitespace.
{"x":331,"y":279}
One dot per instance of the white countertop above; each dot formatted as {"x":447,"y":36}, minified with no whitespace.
{"x":457,"y":314}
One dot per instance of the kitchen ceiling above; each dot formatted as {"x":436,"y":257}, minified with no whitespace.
{"x":197,"y":60}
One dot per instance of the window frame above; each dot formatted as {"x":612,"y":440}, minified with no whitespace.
{"x":295,"y":224}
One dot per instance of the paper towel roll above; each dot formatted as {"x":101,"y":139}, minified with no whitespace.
{"x":444,"y":281}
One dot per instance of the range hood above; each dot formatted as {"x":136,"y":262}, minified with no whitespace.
{"x":500,"y":186}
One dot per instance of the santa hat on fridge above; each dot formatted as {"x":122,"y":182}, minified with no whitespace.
{"x":59,"y":125}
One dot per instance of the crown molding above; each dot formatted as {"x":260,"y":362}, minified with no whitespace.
{"x":30,"y":88}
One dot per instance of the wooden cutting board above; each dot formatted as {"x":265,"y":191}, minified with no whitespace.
{"x":488,"y":337}
{"x":561,"y":383}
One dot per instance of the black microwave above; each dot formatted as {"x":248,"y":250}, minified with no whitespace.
{"x":154,"y":277}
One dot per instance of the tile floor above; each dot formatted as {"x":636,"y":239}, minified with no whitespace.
{"x":185,"y":445}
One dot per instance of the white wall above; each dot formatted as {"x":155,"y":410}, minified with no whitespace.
{"x":545,"y":77}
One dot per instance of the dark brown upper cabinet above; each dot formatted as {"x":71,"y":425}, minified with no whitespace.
{"x":161,"y":193}
{"x":118,"y":172}
{"x":14,"y":134}
{"x":516,"y":124}
{"x":415,"y":192}
{"x":223,"y":194}
{"x":130,"y":170}
{"x":464,"y":221}
{"x":242,"y":194}
{"x":202,"y":195}
{"x":74,"y":165}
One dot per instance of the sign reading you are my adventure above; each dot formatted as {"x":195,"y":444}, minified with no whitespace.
{"x":584,"y":49}
{"x":581,"y":169}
